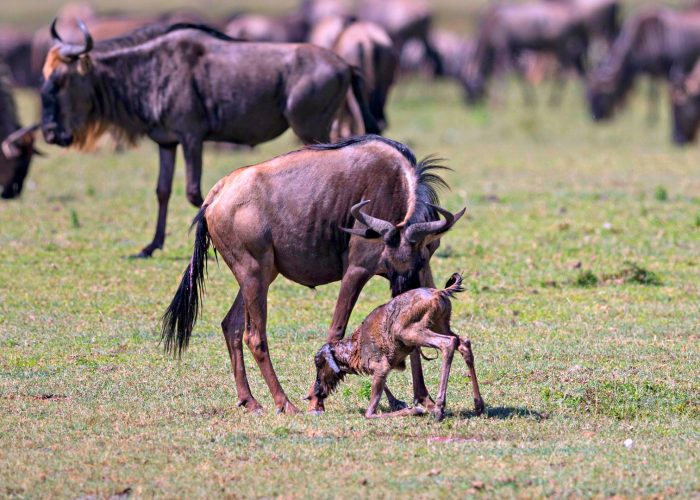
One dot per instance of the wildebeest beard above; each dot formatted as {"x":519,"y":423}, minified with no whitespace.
{"x":403,"y":282}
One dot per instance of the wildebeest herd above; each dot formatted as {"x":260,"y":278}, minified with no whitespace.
{"x":349,"y":205}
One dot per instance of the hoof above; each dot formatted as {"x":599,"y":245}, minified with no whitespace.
{"x":251,"y":405}
{"x":426,"y":403}
{"x":479,"y":406}
{"x":418,"y":410}
{"x":288,"y":408}
{"x":143,"y":254}
{"x":438,"y":414}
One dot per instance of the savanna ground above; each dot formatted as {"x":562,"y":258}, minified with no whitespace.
{"x":576,"y":349}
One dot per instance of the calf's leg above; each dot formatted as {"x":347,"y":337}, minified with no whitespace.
{"x":465,"y":349}
{"x":379,"y":385}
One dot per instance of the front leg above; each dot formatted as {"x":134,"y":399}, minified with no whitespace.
{"x":192,"y":149}
{"x":165,"y":185}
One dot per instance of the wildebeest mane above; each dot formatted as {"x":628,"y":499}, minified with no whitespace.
{"x":429,"y":182}
{"x":157,"y":29}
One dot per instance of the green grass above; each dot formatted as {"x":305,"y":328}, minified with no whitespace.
{"x":90,"y":405}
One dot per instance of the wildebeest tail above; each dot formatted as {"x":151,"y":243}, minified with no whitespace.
{"x":181,"y":315}
{"x":453,"y":286}
{"x":358,"y":83}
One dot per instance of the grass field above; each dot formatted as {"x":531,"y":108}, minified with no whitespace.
{"x":582,"y":262}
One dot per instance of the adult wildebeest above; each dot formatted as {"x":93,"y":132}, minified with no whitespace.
{"x":601,"y":18}
{"x":17,"y":143}
{"x":386,"y":337}
{"x":655,"y":42}
{"x":507,"y":30}
{"x":289,"y":28}
{"x":367,"y":46}
{"x":16,"y":53}
{"x":186,"y":84}
{"x":325,"y":32}
{"x":305,"y":215}
{"x":685,"y":103}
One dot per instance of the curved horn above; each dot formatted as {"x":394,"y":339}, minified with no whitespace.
{"x":70,"y":51}
{"x":54,"y":31}
{"x":419,"y":231}
{"x":379,"y":226}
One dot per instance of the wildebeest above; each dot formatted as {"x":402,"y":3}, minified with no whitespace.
{"x":404,"y":20}
{"x":453,"y":51}
{"x":657,"y":42}
{"x":17,"y":143}
{"x":306,"y":215}
{"x":507,"y":30}
{"x":186,"y":84}
{"x":386,"y":337}
{"x":290,"y":28}
{"x":16,"y":53}
{"x":327,"y":30}
{"x":685,"y":102}
{"x":367,"y":46}
{"x":601,"y":18}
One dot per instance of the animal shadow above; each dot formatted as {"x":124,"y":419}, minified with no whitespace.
{"x":505,"y":413}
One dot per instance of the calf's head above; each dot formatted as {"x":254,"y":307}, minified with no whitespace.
{"x":67,"y":95}
{"x":406,"y":247}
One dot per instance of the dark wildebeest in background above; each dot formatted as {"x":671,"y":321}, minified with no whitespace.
{"x":452,"y":50}
{"x":685,"y":103}
{"x":289,"y":28}
{"x":17,"y":143}
{"x":386,"y":337}
{"x":600,"y":17}
{"x":16,"y":53}
{"x":298,"y":215}
{"x":655,"y":42}
{"x":186,"y":84}
{"x":508,"y":30}
{"x":368,"y":47}
{"x":404,"y":20}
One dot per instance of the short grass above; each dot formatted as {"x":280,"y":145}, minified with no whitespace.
{"x":583,"y":284}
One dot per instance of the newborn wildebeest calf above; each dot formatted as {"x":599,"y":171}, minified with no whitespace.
{"x":415,"y":319}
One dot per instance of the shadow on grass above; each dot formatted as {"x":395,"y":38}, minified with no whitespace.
{"x":505,"y":413}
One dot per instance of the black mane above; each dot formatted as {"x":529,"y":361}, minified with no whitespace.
{"x":155,"y":30}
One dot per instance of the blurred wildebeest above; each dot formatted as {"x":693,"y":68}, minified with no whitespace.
{"x":404,"y":20}
{"x":325,"y":32}
{"x":366,"y":46}
{"x":17,"y":143}
{"x":314,"y":11}
{"x":386,"y":337}
{"x":186,"y":84}
{"x":507,"y":30}
{"x":601,"y":18}
{"x":655,"y":42}
{"x":305,"y":215}
{"x":685,"y":101}
{"x":290,"y":28}
{"x":453,"y":51}
{"x":16,"y":53}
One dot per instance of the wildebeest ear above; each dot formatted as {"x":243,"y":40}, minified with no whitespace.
{"x":366,"y":233}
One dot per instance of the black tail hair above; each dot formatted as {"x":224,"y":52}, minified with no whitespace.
{"x":453,"y":286}
{"x":181,"y":315}
{"x":371,"y":126}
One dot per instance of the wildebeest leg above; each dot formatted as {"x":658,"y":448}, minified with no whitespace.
{"x":254,"y":276}
{"x":311,"y":108}
{"x":192,"y":149}
{"x":653,"y":97}
{"x":233,"y":326}
{"x":163,"y":190}
{"x":558,"y":84}
{"x":447,"y":345}
{"x":465,"y":349}
{"x":420,"y":391}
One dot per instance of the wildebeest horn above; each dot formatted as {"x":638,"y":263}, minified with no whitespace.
{"x":419,"y":231}
{"x":379,"y":226}
{"x":54,"y":31}
{"x":71,"y":51}
{"x":10,"y":148}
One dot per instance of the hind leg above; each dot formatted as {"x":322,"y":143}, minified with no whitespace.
{"x":233,"y":326}
{"x":255,"y":274}
{"x":465,"y":349}
{"x":311,"y":108}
